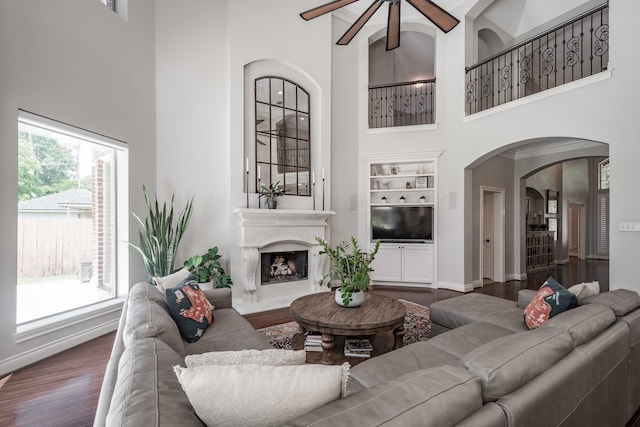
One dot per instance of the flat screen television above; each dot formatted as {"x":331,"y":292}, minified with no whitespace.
{"x":402,"y":223}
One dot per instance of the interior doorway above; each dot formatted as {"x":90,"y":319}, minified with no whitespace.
{"x":492,"y":234}
{"x":577,"y":231}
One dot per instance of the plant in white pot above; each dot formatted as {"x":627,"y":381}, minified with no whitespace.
{"x":350,"y":267}
{"x":206,"y":268}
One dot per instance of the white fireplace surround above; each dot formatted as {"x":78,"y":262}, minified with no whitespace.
{"x":273,"y":230}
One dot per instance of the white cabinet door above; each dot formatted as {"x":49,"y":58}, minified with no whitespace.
{"x":388,"y":264}
{"x":417,"y":263}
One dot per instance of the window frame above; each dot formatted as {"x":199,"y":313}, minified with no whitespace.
{"x":37,"y":327}
{"x":264,"y":169}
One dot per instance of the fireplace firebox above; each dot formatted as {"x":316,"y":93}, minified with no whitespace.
{"x":283,"y":266}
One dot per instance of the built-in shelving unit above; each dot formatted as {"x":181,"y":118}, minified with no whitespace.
{"x":540,"y":250}
{"x":408,"y":256}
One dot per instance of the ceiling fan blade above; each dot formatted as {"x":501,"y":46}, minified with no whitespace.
{"x":434,"y":13}
{"x":353,"y":30}
{"x":325,"y":8}
{"x":393,"y":25}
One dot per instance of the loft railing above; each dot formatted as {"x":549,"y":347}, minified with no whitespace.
{"x":402,"y":104}
{"x":570,"y":51}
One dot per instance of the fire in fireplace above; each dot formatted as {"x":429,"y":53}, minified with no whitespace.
{"x":277,"y":267}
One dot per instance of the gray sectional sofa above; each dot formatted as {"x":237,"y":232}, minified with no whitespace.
{"x":482,"y":367}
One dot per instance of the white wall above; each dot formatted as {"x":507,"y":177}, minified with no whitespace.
{"x":206,"y":54}
{"x":77,"y":62}
{"x":571,"y":111}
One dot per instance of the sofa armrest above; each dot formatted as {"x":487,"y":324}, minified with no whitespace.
{"x":524,"y":297}
{"x":219,"y":297}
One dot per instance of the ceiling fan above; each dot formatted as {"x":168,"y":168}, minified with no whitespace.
{"x":434,"y":13}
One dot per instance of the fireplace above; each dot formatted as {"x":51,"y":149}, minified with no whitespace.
{"x":277,"y":258}
{"x":277,"y":267}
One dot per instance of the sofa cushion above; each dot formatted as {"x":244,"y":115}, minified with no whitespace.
{"x":147,"y":392}
{"x":147,"y":316}
{"x":230,"y":332}
{"x":433,"y":397}
{"x":190,"y":309}
{"x":248,"y":395}
{"x":584,"y":322}
{"x":473,"y":307}
{"x":621,"y":301}
{"x":272,"y":357}
{"x":407,"y":359}
{"x":551,"y":299}
{"x":464,"y":339}
{"x":507,"y":363}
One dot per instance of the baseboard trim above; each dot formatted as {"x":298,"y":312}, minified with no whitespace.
{"x":30,"y":356}
{"x":477,"y":284}
{"x":468,"y":287}
{"x":515,"y":276}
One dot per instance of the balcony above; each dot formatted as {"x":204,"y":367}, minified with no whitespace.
{"x":402,"y":104}
{"x":568,"y":52}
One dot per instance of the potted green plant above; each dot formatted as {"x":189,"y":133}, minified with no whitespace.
{"x":402,"y":199}
{"x":384,"y":199}
{"x":160,"y":237}
{"x":206,"y":268}
{"x":271,"y":192}
{"x":423,"y":199}
{"x":350,"y":267}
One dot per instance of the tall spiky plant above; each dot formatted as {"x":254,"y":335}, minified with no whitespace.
{"x":159,"y":237}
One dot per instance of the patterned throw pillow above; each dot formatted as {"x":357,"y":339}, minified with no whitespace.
{"x":550,"y":300}
{"x":189,"y":308}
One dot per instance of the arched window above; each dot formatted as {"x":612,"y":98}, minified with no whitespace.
{"x":283,"y":143}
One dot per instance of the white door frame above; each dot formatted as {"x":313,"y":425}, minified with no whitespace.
{"x":498,"y":231}
{"x":582,"y":229}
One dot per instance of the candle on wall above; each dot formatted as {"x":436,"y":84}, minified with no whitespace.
{"x":259,"y":175}
{"x":247,"y":165}
{"x":322,"y":173}
{"x":313,"y":177}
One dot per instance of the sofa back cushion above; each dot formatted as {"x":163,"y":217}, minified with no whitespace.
{"x":507,"y":363}
{"x":148,"y":317}
{"x":584,"y":322}
{"x":147,"y":392}
{"x":620,"y":301}
{"x":434,"y":397}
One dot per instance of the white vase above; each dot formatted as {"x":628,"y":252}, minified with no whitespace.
{"x":356,"y":299}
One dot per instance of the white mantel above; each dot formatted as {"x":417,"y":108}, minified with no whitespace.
{"x":275,"y":229}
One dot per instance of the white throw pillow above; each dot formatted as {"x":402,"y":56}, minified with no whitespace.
{"x":271,"y":357}
{"x":171,"y":281}
{"x":255,"y":395}
{"x":585,"y":290}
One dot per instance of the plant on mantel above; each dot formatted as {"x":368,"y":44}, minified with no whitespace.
{"x":271,"y":192}
{"x":350,"y":267}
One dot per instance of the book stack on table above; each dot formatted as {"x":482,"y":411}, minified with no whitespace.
{"x":313,"y":342}
{"x":358,"y":347}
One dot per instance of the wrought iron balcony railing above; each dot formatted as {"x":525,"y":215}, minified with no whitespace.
{"x":570,"y":51}
{"x":402,"y":104}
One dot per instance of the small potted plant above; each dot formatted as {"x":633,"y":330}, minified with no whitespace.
{"x":206,"y":268}
{"x":271,"y":192}
{"x":384,"y":199}
{"x":402,"y":199}
{"x":423,"y":199}
{"x":350,"y":267}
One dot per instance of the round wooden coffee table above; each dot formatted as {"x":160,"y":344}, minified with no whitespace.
{"x":320,"y":313}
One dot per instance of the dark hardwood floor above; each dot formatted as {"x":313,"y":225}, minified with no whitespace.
{"x":63,"y":389}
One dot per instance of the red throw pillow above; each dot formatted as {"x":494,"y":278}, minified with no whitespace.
{"x":550,"y":300}
{"x":190,"y":309}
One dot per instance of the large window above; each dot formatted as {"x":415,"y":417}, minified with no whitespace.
{"x":603,"y":171}
{"x":283,"y":143}
{"x":67,"y":230}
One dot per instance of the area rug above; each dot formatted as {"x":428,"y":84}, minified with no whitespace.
{"x":416,"y":327}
